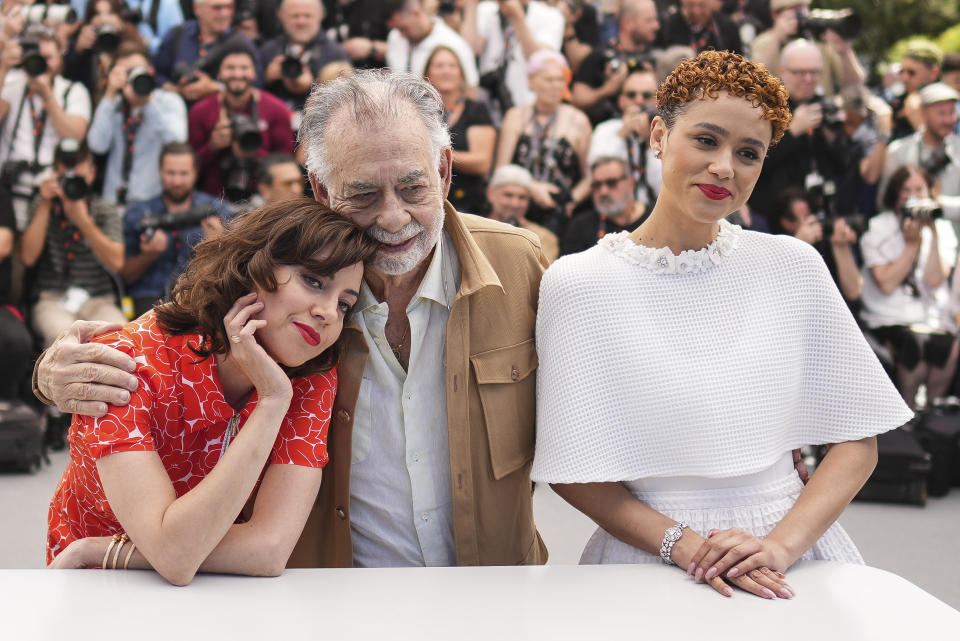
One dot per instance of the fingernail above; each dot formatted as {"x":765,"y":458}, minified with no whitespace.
{"x":781,"y":575}
{"x":728,"y":591}
{"x":698,"y":575}
{"x":767,"y":592}
{"x":712,"y":572}
{"x":690,"y":568}
{"x":786,"y":593}
{"x":123,"y":396}
{"x":130,"y":366}
{"x":132,"y":382}
{"x":733,"y":572}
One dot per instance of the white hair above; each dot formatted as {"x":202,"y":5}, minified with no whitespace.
{"x":373,"y":97}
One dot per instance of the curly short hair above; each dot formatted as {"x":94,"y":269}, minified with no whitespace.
{"x":244,"y":258}
{"x":713,"y":71}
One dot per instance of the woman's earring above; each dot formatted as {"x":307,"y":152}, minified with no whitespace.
{"x":657,"y":154}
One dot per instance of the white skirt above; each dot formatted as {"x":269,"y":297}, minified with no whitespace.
{"x":754,"y":503}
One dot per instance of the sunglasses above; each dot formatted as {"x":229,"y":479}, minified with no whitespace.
{"x":632,"y":95}
{"x":609,"y":183}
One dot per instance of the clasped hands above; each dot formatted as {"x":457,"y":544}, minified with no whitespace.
{"x":734,"y":557}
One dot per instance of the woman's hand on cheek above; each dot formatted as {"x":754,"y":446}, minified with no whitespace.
{"x":264,"y":372}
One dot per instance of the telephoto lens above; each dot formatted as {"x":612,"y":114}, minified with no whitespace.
{"x":291,"y":67}
{"x":142,"y":81}
{"x":246,"y":132}
{"x":108,"y":39}
{"x":33,"y":63}
{"x":54,"y":13}
{"x":74,"y":187}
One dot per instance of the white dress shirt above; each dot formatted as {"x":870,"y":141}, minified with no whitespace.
{"x":400,"y":495}
{"x":402,"y":55}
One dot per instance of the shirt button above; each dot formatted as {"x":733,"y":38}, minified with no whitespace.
{"x":425,"y":516}
{"x":341,"y":514}
{"x":344,"y":415}
{"x":515,"y":374}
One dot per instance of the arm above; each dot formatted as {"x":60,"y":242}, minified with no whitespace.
{"x":66,"y":125}
{"x":35,"y":235}
{"x":584,"y":96}
{"x":108,"y":251}
{"x":6,"y":242}
{"x":621,"y":514}
{"x":101,"y":129}
{"x":851,"y":72}
{"x":871,"y":166}
{"x":509,"y":135}
{"x":171,"y":114}
{"x":134,"y":267}
{"x":935,"y":272}
{"x":581,"y":143}
{"x":478,"y":158}
{"x":848,"y":275}
{"x":468,"y":28}
{"x":891,"y":275}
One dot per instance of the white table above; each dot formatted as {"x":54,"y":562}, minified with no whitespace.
{"x":834,"y":601}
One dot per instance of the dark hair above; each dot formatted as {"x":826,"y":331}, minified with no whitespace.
{"x":116,"y":6}
{"x":83,"y":153}
{"x":951,"y":62}
{"x":714,"y":71}
{"x":268,"y":162}
{"x":244,"y":258}
{"x":128,"y":48}
{"x":233,"y":47}
{"x":787,"y":197}
{"x":178,"y":149}
{"x":891,"y":195}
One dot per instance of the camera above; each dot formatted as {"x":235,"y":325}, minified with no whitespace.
{"x":246,"y":132}
{"x":74,"y":186}
{"x":446,"y":7}
{"x":141,"y":81}
{"x":614,"y":59}
{"x":185,"y":71}
{"x":291,"y":66}
{"x":846,"y":22}
{"x":178,"y":220}
{"x":44,"y":14}
{"x":495,"y":85}
{"x":922,"y":209}
{"x":936,"y":163}
{"x":833,"y":115}
{"x":12,"y":169}
{"x":33,"y":63}
{"x":108,"y":39}
{"x":856,"y":222}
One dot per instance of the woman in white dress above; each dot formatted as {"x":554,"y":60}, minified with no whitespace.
{"x":680,"y":364}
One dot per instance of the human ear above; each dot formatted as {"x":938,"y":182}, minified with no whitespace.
{"x":658,"y":134}
{"x":320,"y":193}
{"x":445,"y":169}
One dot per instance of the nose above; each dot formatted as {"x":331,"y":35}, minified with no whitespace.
{"x":722,"y":166}
{"x":325,"y":306}
{"x":393,"y":217}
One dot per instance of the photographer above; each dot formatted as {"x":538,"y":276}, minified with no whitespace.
{"x":814,"y":153}
{"x":834,"y":238}
{"x":600,"y":78}
{"x":294,"y":58}
{"x":360,"y":27}
{"x":614,"y":209}
{"x":154,"y":262}
{"x":187,"y":56}
{"x":919,"y":67}
{"x":908,"y":253}
{"x":37,"y":111}
{"x":934,"y":147}
{"x":700,"y":26}
{"x":107,"y":25}
{"x":130,"y":125}
{"x":231,"y":129}
{"x":76,"y":242}
{"x":279,"y":177}
{"x":504,"y":34}
{"x":627,"y":137}
{"x":16,"y":344}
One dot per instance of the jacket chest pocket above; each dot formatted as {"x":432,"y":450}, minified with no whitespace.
{"x":508,"y":388}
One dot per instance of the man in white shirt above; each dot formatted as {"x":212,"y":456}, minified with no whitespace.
{"x":37,"y":111}
{"x":505,"y":34}
{"x":413,"y":37}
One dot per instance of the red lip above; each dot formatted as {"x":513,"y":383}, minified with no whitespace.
{"x":309,"y":334}
{"x":713,"y":192}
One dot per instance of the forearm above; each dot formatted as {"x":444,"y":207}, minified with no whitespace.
{"x":468,"y":27}
{"x":134,"y":267}
{"x":850,"y":278}
{"x":838,"y":478}
{"x":101,"y":130}
{"x":527,"y":43}
{"x":871,"y":167}
{"x":584,"y":96}
{"x":66,"y":125}
{"x":477,"y":159}
{"x":581,"y":191}
{"x":108,"y":251}
{"x":892,"y":275}
{"x":35,"y":235}
{"x":853,"y":74}
{"x":4,"y":105}
{"x":933,"y":272}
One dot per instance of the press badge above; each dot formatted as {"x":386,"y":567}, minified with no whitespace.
{"x":74,"y":298}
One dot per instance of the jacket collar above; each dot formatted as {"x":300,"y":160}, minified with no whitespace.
{"x":475,"y":270}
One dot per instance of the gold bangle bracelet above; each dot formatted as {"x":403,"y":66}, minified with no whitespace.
{"x":123,"y":541}
{"x":106,"y":555}
{"x":126,"y":561}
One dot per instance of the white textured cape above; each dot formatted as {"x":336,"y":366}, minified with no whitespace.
{"x":710,"y":363}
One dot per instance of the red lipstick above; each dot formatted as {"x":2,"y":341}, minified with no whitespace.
{"x":309,"y":334}
{"x":713,"y":192}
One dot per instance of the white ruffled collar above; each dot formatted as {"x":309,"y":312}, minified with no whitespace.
{"x":660,"y":260}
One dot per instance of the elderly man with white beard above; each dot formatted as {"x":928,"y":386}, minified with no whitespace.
{"x":431,"y":434}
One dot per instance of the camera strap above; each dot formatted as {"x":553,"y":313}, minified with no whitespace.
{"x":131,"y":124}
{"x":539,"y":153}
{"x":16,"y":122}
{"x":637,"y":162}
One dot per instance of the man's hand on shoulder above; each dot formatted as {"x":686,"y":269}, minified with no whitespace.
{"x":82,"y":377}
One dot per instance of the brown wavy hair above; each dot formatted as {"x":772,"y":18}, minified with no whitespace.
{"x":244,"y":258}
{"x":714,"y":71}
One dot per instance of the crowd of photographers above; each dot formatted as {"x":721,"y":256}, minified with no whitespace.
{"x":132,"y":129}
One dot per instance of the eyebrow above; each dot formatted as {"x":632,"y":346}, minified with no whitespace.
{"x":412,"y":177}
{"x":720,"y":131}
{"x":352,"y":293}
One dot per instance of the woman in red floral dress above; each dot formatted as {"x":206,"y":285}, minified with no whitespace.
{"x":236,"y":380}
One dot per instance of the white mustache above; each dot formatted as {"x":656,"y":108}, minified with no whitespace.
{"x":407,"y":232}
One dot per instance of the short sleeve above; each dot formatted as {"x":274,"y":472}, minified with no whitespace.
{"x":303,"y":436}
{"x":78,"y":102}
{"x":125,"y":428}
{"x":875,"y":245}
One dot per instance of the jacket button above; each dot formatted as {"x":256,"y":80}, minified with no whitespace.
{"x":344,"y":415}
{"x":515,"y":374}
{"x":341,"y":513}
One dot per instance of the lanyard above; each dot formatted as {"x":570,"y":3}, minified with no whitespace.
{"x":698,"y":44}
{"x":39,"y":125}
{"x":637,"y":161}
{"x":538,"y":144}
{"x":131,"y":124}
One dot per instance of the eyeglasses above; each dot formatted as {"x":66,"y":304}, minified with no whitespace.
{"x":632,"y":95}
{"x":805,"y":72}
{"x":609,"y":183}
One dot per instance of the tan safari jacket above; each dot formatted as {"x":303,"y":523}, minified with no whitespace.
{"x":491,"y":395}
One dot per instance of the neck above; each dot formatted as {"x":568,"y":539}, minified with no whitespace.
{"x":237,"y":102}
{"x":450,"y":98}
{"x":543,"y":108}
{"x":930,"y":139}
{"x":397,"y":289}
{"x":207,"y":33}
{"x":301,"y":41}
{"x":679,"y":233}
{"x":236,"y":386}
{"x":426,"y":29}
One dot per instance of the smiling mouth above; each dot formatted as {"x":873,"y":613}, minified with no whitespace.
{"x":309,"y":334}
{"x":713,"y":192}
{"x":398,"y":247}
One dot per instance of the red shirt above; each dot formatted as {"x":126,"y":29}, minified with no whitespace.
{"x":180,"y":412}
